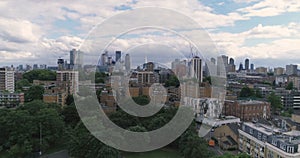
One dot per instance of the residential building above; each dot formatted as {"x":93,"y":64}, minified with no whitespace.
{"x":7,"y":80}
{"x":227,"y":136}
{"x":295,"y":80}
{"x":278,"y":71}
{"x":11,"y":100}
{"x":68,"y":80}
{"x":261,"y":70}
{"x":263,"y":141}
{"x":291,"y":69}
{"x":196,"y":70}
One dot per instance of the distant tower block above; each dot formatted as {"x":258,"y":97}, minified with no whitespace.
{"x":127,"y":62}
{"x":118,"y":55}
{"x":247,"y":64}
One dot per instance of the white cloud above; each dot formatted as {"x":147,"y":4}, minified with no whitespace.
{"x":267,"y":8}
{"x":281,"y":42}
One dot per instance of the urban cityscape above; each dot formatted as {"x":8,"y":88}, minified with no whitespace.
{"x":150,"y":79}
{"x":259,"y":116}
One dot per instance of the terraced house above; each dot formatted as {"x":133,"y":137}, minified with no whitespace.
{"x":262,"y":141}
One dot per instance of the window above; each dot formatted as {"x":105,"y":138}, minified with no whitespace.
{"x":264,"y":138}
{"x":282,"y":146}
{"x":259,"y":136}
{"x":274,"y":142}
{"x":251,"y":131}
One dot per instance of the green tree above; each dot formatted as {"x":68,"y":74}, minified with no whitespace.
{"x":290,"y":86}
{"x":275,"y":102}
{"x":69,"y":100}
{"x":141,"y":100}
{"x":34,"y":93}
{"x":20,"y":129}
{"x":45,"y":75}
{"x":191,"y":145}
{"x":207,"y":79}
{"x":70,"y":115}
{"x":246,"y":92}
{"x":84,"y":145}
{"x":22,"y":83}
{"x":172,"y":81}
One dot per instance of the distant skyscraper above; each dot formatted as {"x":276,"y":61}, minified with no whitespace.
{"x":104,"y":58}
{"x":252,"y":67}
{"x":196,"y":68}
{"x":20,"y":67}
{"x":231,"y":61}
{"x":241,"y":67}
{"x":35,"y":66}
{"x":127,"y":62}
{"x":76,"y":58}
{"x":118,"y":55}
{"x":247,"y":64}
{"x":7,"y":80}
{"x":60,"y":64}
{"x":222,"y":65}
{"x":43,"y":66}
{"x":213,"y":60}
{"x":292,"y":69}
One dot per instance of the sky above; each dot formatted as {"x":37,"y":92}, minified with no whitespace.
{"x":265,"y":31}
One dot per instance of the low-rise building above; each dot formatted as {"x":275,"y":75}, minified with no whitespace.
{"x":227,"y":136}
{"x":262,"y":141}
{"x":11,"y":100}
{"x":247,"y":110}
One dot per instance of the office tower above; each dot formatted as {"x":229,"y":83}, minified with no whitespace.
{"x":76,"y":58}
{"x":104,"y":58}
{"x":241,"y":67}
{"x":60,"y":64}
{"x":43,"y":66}
{"x":118,"y":55}
{"x":20,"y":67}
{"x":174,"y":64}
{"x":149,"y":66}
{"x":224,"y":58}
{"x":291,"y":69}
{"x":231,"y":61}
{"x":222,"y":65}
{"x":7,"y":80}
{"x":127,"y":62}
{"x":252,"y":67}
{"x":213,"y":60}
{"x":231,"y":67}
{"x":35,"y":66}
{"x":109,"y":60}
{"x":247,"y":64}
{"x":196,"y":68}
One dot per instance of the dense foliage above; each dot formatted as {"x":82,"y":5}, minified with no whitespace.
{"x":20,"y":129}
{"x":44,"y":75}
{"x":275,"y":102}
{"x":34,"y":93}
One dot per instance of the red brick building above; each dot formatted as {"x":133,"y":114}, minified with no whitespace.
{"x":247,"y":110}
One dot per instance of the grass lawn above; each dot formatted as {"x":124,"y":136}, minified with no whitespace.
{"x":161,"y":153}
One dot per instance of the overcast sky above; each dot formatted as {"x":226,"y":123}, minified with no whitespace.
{"x":265,"y":31}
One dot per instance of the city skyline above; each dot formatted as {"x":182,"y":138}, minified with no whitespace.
{"x":266,"y":32}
